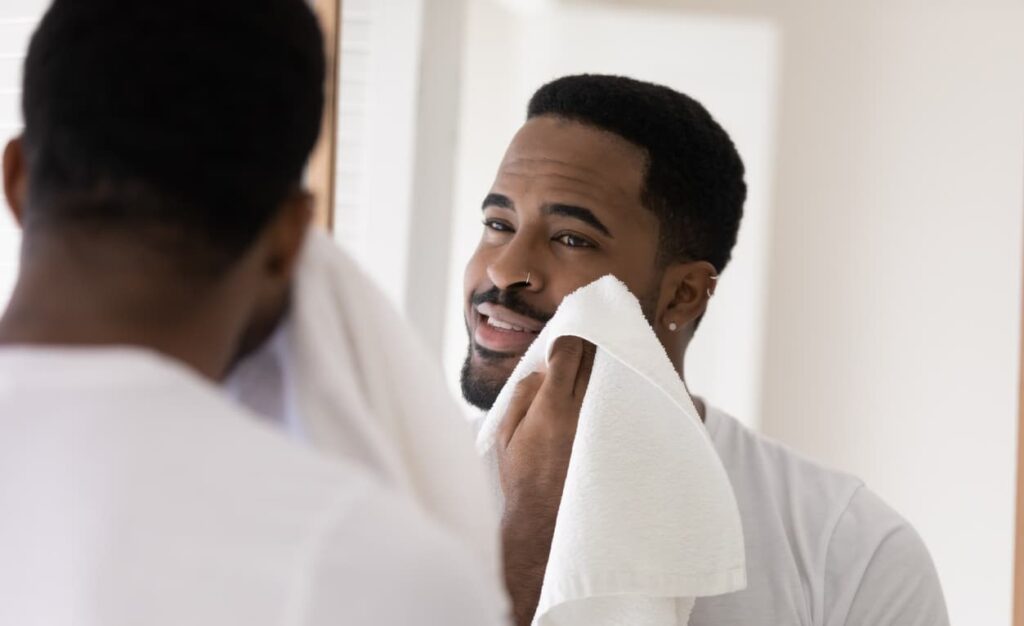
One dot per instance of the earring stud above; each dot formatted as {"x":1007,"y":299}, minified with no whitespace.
{"x":673,"y":326}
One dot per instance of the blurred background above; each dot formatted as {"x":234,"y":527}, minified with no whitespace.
{"x":870,"y":318}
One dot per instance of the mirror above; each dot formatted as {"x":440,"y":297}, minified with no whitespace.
{"x":869,"y":319}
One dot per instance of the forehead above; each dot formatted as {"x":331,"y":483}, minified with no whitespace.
{"x":555,"y":155}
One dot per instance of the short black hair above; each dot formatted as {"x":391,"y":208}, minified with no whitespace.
{"x":694,"y":180}
{"x":188,"y":118}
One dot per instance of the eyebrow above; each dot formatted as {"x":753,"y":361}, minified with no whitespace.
{"x":498,"y":200}
{"x":579,"y":213}
{"x":566,"y":210}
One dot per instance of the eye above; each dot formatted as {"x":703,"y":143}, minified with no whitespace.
{"x":574,"y":241}
{"x":497,"y":226}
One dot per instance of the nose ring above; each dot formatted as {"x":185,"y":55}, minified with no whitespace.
{"x":528,"y":275}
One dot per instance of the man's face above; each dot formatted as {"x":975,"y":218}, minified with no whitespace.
{"x":564,"y":210}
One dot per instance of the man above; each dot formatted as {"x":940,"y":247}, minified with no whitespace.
{"x":614,"y":175}
{"x":158,"y":184}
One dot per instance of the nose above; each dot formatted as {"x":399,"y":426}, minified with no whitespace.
{"x":517,"y":265}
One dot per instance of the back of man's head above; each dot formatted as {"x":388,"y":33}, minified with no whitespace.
{"x":187,"y":122}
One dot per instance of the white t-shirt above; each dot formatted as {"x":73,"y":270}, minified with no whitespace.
{"x":821,"y":549}
{"x":132,"y":492}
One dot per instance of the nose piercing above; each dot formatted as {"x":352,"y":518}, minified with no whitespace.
{"x":528,"y":275}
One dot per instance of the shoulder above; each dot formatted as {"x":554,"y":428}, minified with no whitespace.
{"x":388,"y":564}
{"x":764,"y":469}
{"x":357,"y":551}
{"x":861,"y":561}
{"x":244,"y":462}
{"x":878,"y":570}
{"x":365,"y":554}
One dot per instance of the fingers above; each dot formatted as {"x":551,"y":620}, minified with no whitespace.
{"x":562,"y":387}
{"x":583,"y":374}
{"x":522,"y":397}
{"x":563,"y":366}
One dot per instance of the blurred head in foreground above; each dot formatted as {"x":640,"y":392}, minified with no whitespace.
{"x":158,"y":180}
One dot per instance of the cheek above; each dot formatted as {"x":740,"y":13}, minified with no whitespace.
{"x":636,"y":270}
{"x":644,"y":282}
{"x":640,"y":276}
{"x":565,"y":278}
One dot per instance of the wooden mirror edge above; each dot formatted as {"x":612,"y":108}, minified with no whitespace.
{"x":1018,"y":578}
{"x":323,"y":161}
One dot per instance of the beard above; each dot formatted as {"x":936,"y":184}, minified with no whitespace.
{"x":478,"y":388}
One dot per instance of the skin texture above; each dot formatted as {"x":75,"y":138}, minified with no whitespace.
{"x":553,"y":163}
{"x":106,"y":286}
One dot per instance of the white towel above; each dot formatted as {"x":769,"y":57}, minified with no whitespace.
{"x":347,"y":374}
{"x":648,"y":520}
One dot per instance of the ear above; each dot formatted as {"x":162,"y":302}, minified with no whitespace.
{"x":685,"y":291}
{"x":15,"y":177}
{"x":287,"y":233}
{"x":277,"y":255}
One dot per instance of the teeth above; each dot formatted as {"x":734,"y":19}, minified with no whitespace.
{"x":503,"y":325}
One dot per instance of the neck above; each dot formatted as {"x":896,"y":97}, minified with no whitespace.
{"x":63,"y":298}
{"x":678,"y":358}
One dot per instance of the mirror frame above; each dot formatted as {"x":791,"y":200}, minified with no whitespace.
{"x":322,"y":163}
{"x":1018,"y":578}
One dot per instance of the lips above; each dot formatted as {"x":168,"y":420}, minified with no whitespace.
{"x":508,"y":317}
{"x":499,"y":329}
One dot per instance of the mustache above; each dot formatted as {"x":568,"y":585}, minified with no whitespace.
{"x":511,"y":300}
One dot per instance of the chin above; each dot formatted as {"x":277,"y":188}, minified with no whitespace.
{"x":483,"y":377}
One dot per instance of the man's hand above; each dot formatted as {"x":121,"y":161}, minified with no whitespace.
{"x":534,"y":445}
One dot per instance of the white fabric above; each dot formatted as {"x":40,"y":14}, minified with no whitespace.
{"x":347,"y":374}
{"x":822,"y":550}
{"x":133,"y":492}
{"x":648,"y":520}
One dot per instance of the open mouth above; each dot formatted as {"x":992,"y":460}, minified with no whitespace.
{"x":499,"y":329}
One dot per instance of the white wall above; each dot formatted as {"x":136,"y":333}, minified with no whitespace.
{"x":894,"y":299}
{"x":669,"y":47}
